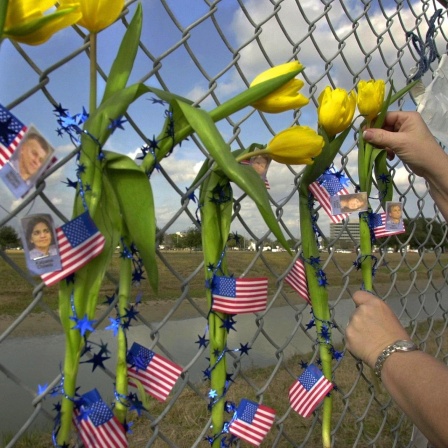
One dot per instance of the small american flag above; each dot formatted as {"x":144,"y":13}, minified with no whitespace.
{"x":239,"y":295}
{"x":309,"y":390}
{"x":97,"y":425}
{"x":79,"y":241}
{"x":380,"y":230}
{"x":11,"y":133}
{"x":322,"y":195}
{"x":252,"y":421}
{"x":296,"y":278}
{"x":157,"y":374}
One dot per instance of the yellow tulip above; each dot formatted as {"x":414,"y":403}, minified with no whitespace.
{"x":286,"y":97}
{"x":370,"y":97}
{"x":297,"y":145}
{"x":99,"y":14}
{"x":27,"y":22}
{"x":336,"y":110}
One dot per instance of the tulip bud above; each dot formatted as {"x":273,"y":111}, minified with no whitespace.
{"x":286,"y":97}
{"x":99,"y":14}
{"x":336,"y":110}
{"x":297,"y":145}
{"x":370,"y":97}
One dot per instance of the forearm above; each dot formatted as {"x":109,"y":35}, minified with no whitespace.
{"x":418,"y":383}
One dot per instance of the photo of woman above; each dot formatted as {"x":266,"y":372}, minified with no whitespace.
{"x":40,"y":238}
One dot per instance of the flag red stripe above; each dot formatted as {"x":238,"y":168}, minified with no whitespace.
{"x":381,"y":232}
{"x":321,"y":194}
{"x":305,"y":402}
{"x":7,"y":152}
{"x":75,"y":258}
{"x":296,"y":278}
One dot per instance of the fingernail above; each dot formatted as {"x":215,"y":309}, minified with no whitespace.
{"x":367,"y":134}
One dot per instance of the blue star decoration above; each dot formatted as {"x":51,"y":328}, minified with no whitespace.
{"x":83,"y":325}
{"x":109,"y":299}
{"x":116,"y":123}
{"x":97,"y":360}
{"x":131,"y":313}
{"x":228,"y":323}
{"x":212,"y":393}
{"x":207,"y":373}
{"x":135,"y":404}
{"x":303,"y":364}
{"x":41,"y":388}
{"x":71,"y":183}
{"x":202,"y":341}
{"x":325,"y":334}
{"x":114,"y":325}
{"x":244,"y":349}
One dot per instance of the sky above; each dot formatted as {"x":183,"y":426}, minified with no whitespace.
{"x":205,"y":55}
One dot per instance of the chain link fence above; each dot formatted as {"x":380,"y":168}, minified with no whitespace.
{"x":207,"y":50}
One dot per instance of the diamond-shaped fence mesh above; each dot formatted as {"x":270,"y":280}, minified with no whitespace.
{"x":208,"y":51}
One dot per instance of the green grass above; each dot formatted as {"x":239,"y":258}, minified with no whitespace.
{"x":16,"y":292}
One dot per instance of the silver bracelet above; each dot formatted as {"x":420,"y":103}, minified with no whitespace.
{"x":398,"y":346}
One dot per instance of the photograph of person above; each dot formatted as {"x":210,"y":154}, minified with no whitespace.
{"x":40,"y":244}
{"x":31,"y":156}
{"x":30,"y":159}
{"x":394,"y":215}
{"x":349,"y":203}
{"x":40,"y":237}
{"x":260,"y":164}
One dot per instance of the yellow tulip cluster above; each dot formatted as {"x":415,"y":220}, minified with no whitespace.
{"x":336,"y":107}
{"x":34,"y":21}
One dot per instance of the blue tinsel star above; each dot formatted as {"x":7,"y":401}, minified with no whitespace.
{"x":202,"y":341}
{"x":83,"y":325}
{"x":110,"y":299}
{"x":303,"y":364}
{"x":116,"y":123}
{"x":41,"y":388}
{"x":228,"y":324}
{"x":60,"y":111}
{"x":71,"y":183}
{"x":114,"y":325}
{"x":97,"y":360}
{"x":244,"y":349}
{"x":131,"y":313}
{"x":212,"y":393}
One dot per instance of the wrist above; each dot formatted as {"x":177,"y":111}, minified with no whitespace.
{"x":402,"y":345}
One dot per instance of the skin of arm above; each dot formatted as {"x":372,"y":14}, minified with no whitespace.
{"x":406,"y":135}
{"x":416,"y":381}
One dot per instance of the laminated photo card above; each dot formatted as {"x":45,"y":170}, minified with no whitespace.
{"x":40,"y":244}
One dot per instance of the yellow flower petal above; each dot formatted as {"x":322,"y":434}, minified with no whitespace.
{"x":286,"y":97}
{"x":297,"y":145}
{"x":370,"y":97}
{"x":99,"y":14}
{"x":28,"y":21}
{"x":336,"y":110}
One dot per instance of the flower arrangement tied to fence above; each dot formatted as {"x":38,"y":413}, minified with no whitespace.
{"x":114,"y":195}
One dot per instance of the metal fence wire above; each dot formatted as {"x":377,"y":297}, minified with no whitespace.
{"x":207,"y":50}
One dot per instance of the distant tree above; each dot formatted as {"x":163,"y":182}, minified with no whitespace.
{"x":9,"y":237}
{"x":192,"y":238}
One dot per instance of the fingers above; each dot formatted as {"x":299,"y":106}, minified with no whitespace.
{"x":361,"y":297}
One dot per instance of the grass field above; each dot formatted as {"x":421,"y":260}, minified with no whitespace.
{"x":16,"y":292}
{"x":360,"y":415}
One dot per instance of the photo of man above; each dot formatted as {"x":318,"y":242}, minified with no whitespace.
{"x":27,"y":163}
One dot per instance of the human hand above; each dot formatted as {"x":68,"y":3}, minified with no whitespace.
{"x":372,"y":327}
{"x":406,"y":135}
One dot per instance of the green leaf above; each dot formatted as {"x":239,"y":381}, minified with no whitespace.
{"x":244,"y":176}
{"x":134,"y":194}
{"x":124,"y":61}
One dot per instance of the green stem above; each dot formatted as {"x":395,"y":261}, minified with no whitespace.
{"x":215,"y":220}
{"x":319,"y":302}
{"x":93,"y":76}
{"x":121,"y":381}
